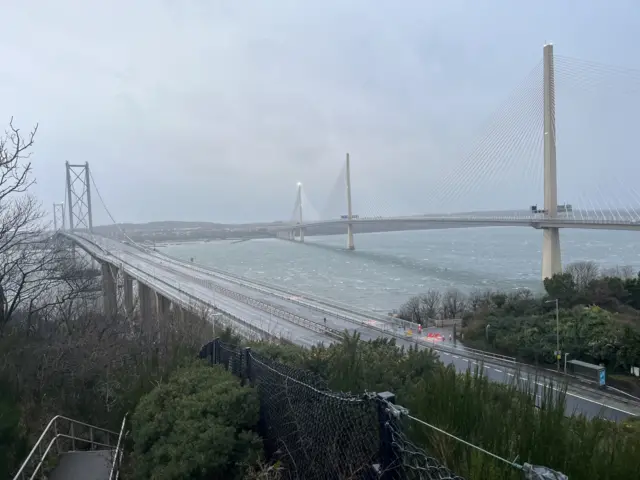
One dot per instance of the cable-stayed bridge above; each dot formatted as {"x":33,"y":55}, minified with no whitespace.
{"x":510,"y":176}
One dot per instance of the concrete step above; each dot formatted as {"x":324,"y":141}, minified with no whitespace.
{"x":90,"y":465}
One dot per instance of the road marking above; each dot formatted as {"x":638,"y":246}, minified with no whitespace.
{"x":591,"y":400}
{"x":455,"y":356}
{"x":510,"y":374}
{"x":446,"y":353}
{"x":499,"y":371}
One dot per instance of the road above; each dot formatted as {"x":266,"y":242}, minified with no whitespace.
{"x":201,"y":283}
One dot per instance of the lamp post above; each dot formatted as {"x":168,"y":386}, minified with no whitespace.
{"x":557,"y":333}
{"x":213,"y":322}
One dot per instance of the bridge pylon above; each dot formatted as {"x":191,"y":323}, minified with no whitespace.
{"x":301,"y":230}
{"x":79,"y":196}
{"x":551,"y":253}
{"x":58,"y":216}
{"x":350,"y":244}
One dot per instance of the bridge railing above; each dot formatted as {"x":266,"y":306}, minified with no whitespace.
{"x":62,"y":435}
{"x":173,"y":292}
{"x":389,"y":329}
{"x":161,"y":286}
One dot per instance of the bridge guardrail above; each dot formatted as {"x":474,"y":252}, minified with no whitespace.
{"x":252,"y":283}
{"x":260,"y":305}
{"x":150,"y":278}
{"x":386,"y":329}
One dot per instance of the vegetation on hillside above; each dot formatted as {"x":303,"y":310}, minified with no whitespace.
{"x":599,"y":317}
{"x":59,"y":355}
{"x":200,"y":424}
{"x":500,"y":418}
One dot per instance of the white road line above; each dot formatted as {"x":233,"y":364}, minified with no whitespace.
{"x":455,"y":356}
{"x":591,"y":400}
{"x":510,"y":374}
{"x":499,"y":371}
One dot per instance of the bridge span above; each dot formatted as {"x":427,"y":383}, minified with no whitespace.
{"x":428,"y":222}
{"x":257,"y":309}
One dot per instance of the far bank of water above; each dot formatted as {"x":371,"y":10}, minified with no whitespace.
{"x":388,"y":268}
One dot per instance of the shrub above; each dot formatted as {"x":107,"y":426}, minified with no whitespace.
{"x":13,"y":446}
{"x":198,"y":425}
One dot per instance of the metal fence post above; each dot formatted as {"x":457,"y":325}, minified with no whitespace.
{"x":247,"y":359}
{"x":390,"y":454}
{"x":215,"y":354}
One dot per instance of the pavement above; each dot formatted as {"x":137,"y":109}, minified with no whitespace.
{"x":193,"y":279}
{"x":80,"y":465}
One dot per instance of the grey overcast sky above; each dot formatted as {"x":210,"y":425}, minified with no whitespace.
{"x":213,"y":110}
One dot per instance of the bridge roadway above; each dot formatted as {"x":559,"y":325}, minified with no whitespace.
{"x":402,"y":223}
{"x":201,"y":283}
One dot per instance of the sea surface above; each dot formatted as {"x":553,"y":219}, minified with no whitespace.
{"x":388,"y":268}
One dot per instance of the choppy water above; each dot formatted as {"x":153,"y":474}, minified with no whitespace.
{"x":388,"y":268}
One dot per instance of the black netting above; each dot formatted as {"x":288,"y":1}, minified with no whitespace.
{"x":316,"y":433}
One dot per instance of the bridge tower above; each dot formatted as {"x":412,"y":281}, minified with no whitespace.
{"x":58,"y":216}
{"x":350,"y":244}
{"x":551,"y":255}
{"x":79,"y":196}
{"x":300,"y":212}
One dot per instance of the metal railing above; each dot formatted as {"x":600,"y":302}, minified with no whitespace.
{"x":64,"y":434}
{"x":119,"y":452}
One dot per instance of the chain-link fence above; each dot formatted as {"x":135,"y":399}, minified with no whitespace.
{"x":316,"y":433}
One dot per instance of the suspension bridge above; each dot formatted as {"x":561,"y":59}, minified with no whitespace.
{"x":514,"y":161}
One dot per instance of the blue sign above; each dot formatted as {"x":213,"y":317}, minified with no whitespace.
{"x":602,"y":377}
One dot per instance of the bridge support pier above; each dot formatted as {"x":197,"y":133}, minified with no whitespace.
{"x":127,"y":281}
{"x":301,"y":235}
{"x":551,"y":254}
{"x":551,"y":259}
{"x":109,"y":299}
{"x":144,"y":297}
{"x":350,"y":244}
{"x":163,"y":304}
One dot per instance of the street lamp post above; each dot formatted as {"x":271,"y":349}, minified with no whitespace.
{"x":213,"y":322}
{"x":557,"y":334}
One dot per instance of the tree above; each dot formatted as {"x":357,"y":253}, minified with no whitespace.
{"x":37,"y":272}
{"x":453,"y":304}
{"x":430,"y":304}
{"x":199,"y":425}
{"x":561,"y":286}
{"x":411,"y":310}
{"x":583,"y":273}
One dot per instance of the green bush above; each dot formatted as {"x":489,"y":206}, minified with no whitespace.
{"x":200,"y":424}
{"x":13,"y":445}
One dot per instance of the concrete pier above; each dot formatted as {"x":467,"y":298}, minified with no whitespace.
{"x":109,"y":298}
{"x":162,"y":304}
{"x":144,"y":298}
{"x":127,"y":282}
